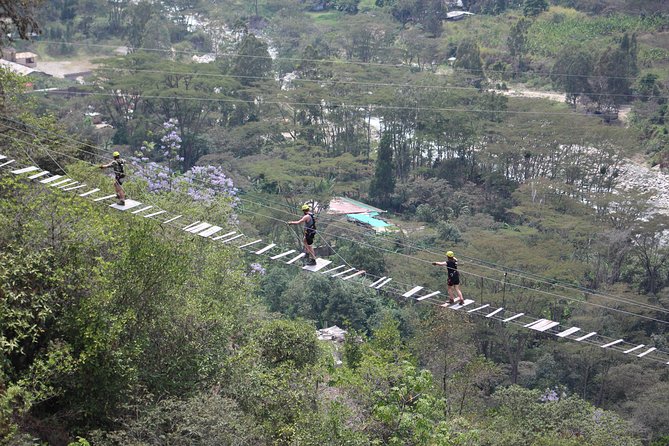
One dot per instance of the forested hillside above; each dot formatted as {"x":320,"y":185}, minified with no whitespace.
{"x":528,"y":136}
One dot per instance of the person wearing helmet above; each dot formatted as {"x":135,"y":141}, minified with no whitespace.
{"x":309,"y":232}
{"x":451,"y":265}
{"x":117,"y":165}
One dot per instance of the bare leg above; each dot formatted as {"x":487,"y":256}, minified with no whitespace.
{"x":119,"y":191}
{"x":459,"y":293}
{"x":451,"y":299}
{"x":309,"y":249}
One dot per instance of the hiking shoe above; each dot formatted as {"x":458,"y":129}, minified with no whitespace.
{"x":311,"y":262}
{"x":121,"y":203}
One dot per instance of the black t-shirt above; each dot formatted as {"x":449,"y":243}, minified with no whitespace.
{"x":452,"y":266}
{"x":117,"y":166}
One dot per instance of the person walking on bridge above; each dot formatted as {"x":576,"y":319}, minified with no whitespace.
{"x":451,"y":265}
{"x":117,"y":164}
{"x":309,"y":221}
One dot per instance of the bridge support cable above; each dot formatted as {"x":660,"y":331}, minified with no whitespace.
{"x":208,"y":230}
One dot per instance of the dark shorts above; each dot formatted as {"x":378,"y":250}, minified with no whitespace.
{"x":119,"y":180}
{"x":309,"y":237}
{"x":454,"y":279}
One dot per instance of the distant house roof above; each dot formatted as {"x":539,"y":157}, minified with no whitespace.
{"x":21,"y":69}
{"x":457,"y":15}
{"x":343,"y":205}
{"x":331,"y":333}
{"x":25,"y":55}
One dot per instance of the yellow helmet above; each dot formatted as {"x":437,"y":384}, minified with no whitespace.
{"x":305,"y":207}
{"x":450,"y":254}
{"x":116,"y":154}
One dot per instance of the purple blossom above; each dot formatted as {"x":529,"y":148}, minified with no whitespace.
{"x":257,"y":268}
{"x":550,"y":395}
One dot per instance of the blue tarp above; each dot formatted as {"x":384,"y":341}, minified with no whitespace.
{"x":369,"y":219}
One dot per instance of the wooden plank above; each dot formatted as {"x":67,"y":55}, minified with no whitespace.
{"x":385,"y":282}
{"x":25,"y":170}
{"x":67,"y":184}
{"x":50,"y":179}
{"x":218,"y":237}
{"x":266,"y":248}
{"x":545,"y":327}
{"x":641,"y":355}
{"x":378,"y":281}
{"x":296,"y":258}
{"x":232,"y":238}
{"x":362,"y":271}
{"x":540,"y":321}
{"x":211,"y":231}
{"x":427,"y":296}
{"x":343,"y":272}
{"x":617,"y":341}
{"x":197,"y":228}
{"x":2,"y":157}
{"x":509,"y":319}
{"x":58,"y":183}
{"x":634,"y":348}
{"x":331,"y":270}
{"x":170,"y":220}
{"x":320,"y":264}
{"x":145,"y":208}
{"x":250,"y":243}
{"x":86,"y":194}
{"x":499,"y":310}
{"x":38,"y":175}
{"x":412,"y":291}
{"x":67,"y":189}
{"x":7,"y":163}
{"x":105,"y":198}
{"x":478,"y":308}
{"x":283,"y":254}
{"x":589,"y":335}
{"x":129,"y":204}
{"x":567,"y":332}
{"x":158,"y":213}
{"x":458,"y":306}
{"x":185,"y":228}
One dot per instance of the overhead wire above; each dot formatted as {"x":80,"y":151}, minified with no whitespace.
{"x":315,"y":104}
{"x":494,"y":267}
{"x":497,"y":269}
{"x":516,"y":322}
{"x":560,"y":296}
{"x":336,"y":82}
{"x":323,"y":61}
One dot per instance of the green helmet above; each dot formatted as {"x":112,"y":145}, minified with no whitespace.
{"x":305,"y":207}
{"x":116,"y":154}
{"x":450,"y":254}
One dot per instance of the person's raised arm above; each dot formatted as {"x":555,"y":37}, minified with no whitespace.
{"x":297,"y":222}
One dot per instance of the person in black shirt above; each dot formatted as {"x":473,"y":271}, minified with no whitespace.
{"x":117,"y":164}
{"x":309,"y":232}
{"x":451,"y":265}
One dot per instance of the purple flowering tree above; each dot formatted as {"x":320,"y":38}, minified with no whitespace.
{"x":170,"y":145}
{"x":257,"y":268}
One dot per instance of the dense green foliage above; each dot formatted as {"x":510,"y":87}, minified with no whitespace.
{"x":115,"y":330}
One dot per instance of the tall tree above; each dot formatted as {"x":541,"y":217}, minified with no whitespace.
{"x":468,"y":56}
{"x":533,"y":8}
{"x":383,"y":183}
{"x":517,"y":40}
{"x":17,"y":17}
{"x":253,"y":60}
{"x":571,"y":72}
